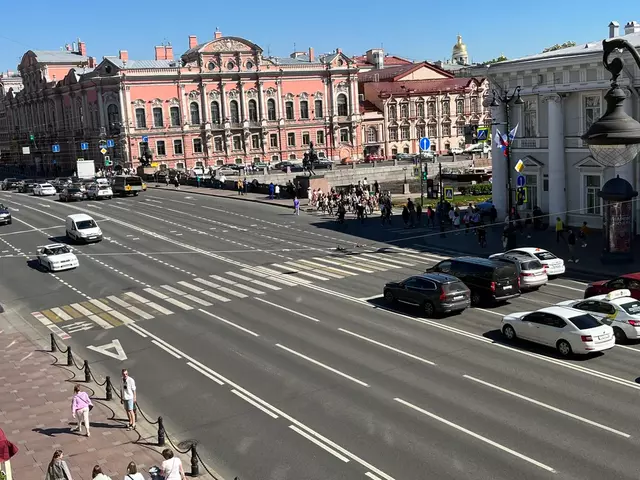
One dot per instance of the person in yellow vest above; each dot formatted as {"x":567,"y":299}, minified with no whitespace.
{"x":559,"y":230}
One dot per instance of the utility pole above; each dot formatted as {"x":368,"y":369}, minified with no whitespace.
{"x":421,"y":183}
{"x":441,"y":209}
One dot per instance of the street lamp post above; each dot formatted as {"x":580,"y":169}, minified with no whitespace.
{"x":507,"y":100}
{"x":614,"y":139}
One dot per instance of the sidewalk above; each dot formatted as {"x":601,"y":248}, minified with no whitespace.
{"x":35,"y":414}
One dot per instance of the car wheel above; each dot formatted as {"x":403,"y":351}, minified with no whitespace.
{"x":564,"y":348}
{"x":475,"y":298}
{"x":10,"y":221}
{"x":509,"y":332}
{"x":428,"y":309}
{"x":389,"y":297}
{"x":621,"y":337}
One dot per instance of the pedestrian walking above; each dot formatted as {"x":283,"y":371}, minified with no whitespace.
{"x":133,"y":473}
{"x":223,"y":179}
{"x":128,"y":398}
{"x":97,"y":474}
{"x":7,"y":451}
{"x":419,"y":214}
{"x":571,"y":243}
{"x":81,"y":405}
{"x":583,"y":234}
{"x":240,"y":186}
{"x":58,"y":468}
{"x":559,"y":230}
{"x":176,"y":182}
{"x":277,"y":191}
{"x":272,"y":189}
{"x":172,"y":466}
{"x":296,"y":206}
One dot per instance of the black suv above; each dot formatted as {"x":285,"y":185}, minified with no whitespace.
{"x":488,"y":279}
{"x":432,"y":292}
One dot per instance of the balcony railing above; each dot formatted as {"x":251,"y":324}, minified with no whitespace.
{"x":531,"y":143}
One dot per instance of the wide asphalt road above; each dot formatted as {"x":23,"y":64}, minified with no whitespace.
{"x":245,"y":329}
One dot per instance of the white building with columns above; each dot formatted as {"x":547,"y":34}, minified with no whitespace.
{"x":563,"y":93}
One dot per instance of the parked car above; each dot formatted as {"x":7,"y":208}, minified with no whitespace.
{"x":532,"y":273}
{"x":71,"y":194}
{"x":552,"y":264}
{"x":43,"y":189}
{"x":431,"y":292}
{"x":456,"y":151}
{"x":99,"y":191}
{"x":26,"y":186}
{"x":373,"y":158}
{"x":628,"y":281}
{"x":9,"y":184}
{"x":488,"y":279}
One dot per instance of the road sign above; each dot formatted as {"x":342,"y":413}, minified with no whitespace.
{"x":26,"y":150}
{"x":482,"y":134}
{"x":519,"y":166}
{"x":424,"y":143}
{"x":107,"y":161}
{"x":84,"y":146}
{"x":103,"y":150}
{"x":145,"y":139}
{"x":111,"y":143}
{"x":448,"y":193}
{"x":55,"y":148}
{"x":521,"y":181}
{"x":81,"y":159}
{"x":118,"y":354}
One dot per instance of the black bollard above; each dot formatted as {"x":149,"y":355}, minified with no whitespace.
{"x":108,"y":390}
{"x":161,"y":432}
{"x":87,"y":372}
{"x":53,"y":343}
{"x":69,"y":357}
{"x":195,"y":468}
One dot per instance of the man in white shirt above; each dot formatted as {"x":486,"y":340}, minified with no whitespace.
{"x":128,"y":397}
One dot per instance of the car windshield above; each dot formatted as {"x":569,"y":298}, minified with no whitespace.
{"x":586,"y":321}
{"x":46,"y":185}
{"x":61,"y":250}
{"x":135,"y":181}
{"x":632,"y":308}
{"x":2,"y":207}
{"x":103,"y":187}
{"x":84,"y":224}
{"x":545,"y":256}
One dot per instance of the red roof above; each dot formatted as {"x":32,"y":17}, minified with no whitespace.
{"x":361,"y":60}
{"x":367,"y":107}
{"x":393,"y":74}
{"x":422,"y":87}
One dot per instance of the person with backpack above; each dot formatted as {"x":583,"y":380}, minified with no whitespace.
{"x":571,"y":243}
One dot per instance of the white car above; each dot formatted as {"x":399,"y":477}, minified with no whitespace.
{"x":56,"y":257}
{"x":566,"y":329}
{"x":618,"y":309}
{"x":99,"y":191}
{"x":42,"y":189}
{"x":552,"y":264}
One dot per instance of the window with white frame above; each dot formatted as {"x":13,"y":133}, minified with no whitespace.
{"x":420,"y":131}
{"x":194,"y":109}
{"x":304,"y":109}
{"x":420,"y":109}
{"x":305,"y":138}
{"x":275,"y":158}
{"x":291,"y":139}
{"x":459,"y":107}
{"x":530,"y":118}
{"x":591,"y":105}
{"x":271,"y":109}
{"x":317,"y":108}
{"x":393,"y":134}
{"x":273,"y":140}
{"x":215,"y":113}
{"x":446,"y":129}
{"x":288,"y":108}
{"x":237,"y":142}
{"x":460,"y":128}
{"x":446,"y":110}
{"x":292,"y":156}
{"x":217,"y":144}
{"x":532,"y":191}
{"x":321,"y":155}
{"x":161,"y":149}
{"x":404,"y":110}
{"x":174,"y":114}
{"x":474,"y":104}
{"x":432,"y":131}
{"x":234,"y":111}
{"x":592,"y":202}
{"x":197,"y":145}
{"x":431,"y":109}
{"x":157,"y":117}
{"x":179,"y":166}
{"x":141,"y":120}
{"x":177,"y":147}
{"x":394,"y":151}
{"x":253,"y":110}
{"x":255,"y":141}
{"x":343,"y":109}
{"x":372,"y":135}
{"x":393,"y":113}
{"x":320,"y":137}
{"x":344,"y":135}
{"x":404,"y":132}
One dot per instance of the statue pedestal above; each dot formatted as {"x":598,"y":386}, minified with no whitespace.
{"x":314,"y":182}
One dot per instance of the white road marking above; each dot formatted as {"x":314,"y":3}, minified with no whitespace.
{"x":287,"y":309}
{"x":372,"y":297}
{"x":155,"y":293}
{"x":343,"y":265}
{"x":136,"y":297}
{"x":100,"y":305}
{"x":205,"y":373}
{"x":206,"y":282}
{"x":81,"y":309}
{"x":178,"y":303}
{"x":246,"y":330}
{"x":319,"y":443}
{"x":99,"y":321}
{"x":388,"y":347}
{"x":223,"y":280}
{"x":62,"y":314}
{"x":254,"y":403}
{"x":144,"y":315}
{"x":476,"y":436}
{"x":118,"y":301}
{"x":298,"y":272}
{"x":491,"y":312}
{"x":274,"y":278}
{"x":232,"y":292}
{"x":120,"y":316}
{"x":372,"y":476}
{"x":191,"y":286}
{"x":307,"y":267}
{"x":581,"y":290}
{"x":548,"y":407}
{"x":215,"y":296}
{"x":391,"y":260}
{"x":323,"y":365}
{"x":174,"y":290}
{"x":277,"y":274}
{"x":341,"y":273}
{"x":170,"y":352}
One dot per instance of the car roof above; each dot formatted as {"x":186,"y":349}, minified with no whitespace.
{"x":79,"y":216}
{"x":489,"y":262}
{"x":521,"y":257}
{"x":632,"y":276}
{"x":53,"y":245}
{"x":531,"y":249}
{"x":439,"y":277}
{"x":563,"y":311}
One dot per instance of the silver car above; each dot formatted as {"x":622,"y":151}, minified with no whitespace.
{"x":532,"y":273}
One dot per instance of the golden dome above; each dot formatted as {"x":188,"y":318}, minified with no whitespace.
{"x":459,"y":47}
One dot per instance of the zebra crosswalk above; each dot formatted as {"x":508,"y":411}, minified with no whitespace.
{"x":206,"y":291}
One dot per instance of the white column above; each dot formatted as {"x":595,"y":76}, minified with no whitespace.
{"x":557,"y":168}
{"x":498,"y":165}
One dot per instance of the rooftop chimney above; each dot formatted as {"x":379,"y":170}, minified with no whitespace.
{"x":193,"y":41}
{"x":67,"y":47}
{"x":92,"y":62}
{"x":217,"y":34}
{"x":338,"y":50}
{"x":160,"y":52}
{"x":614,"y":29}
{"x":82,"y":48}
{"x":168,"y":52}
{"x":312,"y":56}
{"x":631,"y":27}
{"x":123,"y":55}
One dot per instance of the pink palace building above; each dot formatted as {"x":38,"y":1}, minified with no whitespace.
{"x":222,"y":101}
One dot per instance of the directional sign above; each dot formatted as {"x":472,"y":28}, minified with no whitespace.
{"x":111,"y":143}
{"x":482,"y":134}
{"x":448,"y":193}
{"x":55,"y":148}
{"x":84,"y":146}
{"x":424,"y":143}
{"x":145,"y":139}
{"x":103,"y":151}
{"x":117,"y":353}
{"x":521,"y":181}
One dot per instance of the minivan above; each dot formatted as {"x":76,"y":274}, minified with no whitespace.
{"x":490,"y":280}
{"x":80,"y":227}
{"x":127,"y":185}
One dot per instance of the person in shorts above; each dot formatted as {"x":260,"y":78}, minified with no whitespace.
{"x":128,"y":397}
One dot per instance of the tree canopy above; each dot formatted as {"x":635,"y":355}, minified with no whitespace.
{"x":501,"y":58}
{"x":559,"y":46}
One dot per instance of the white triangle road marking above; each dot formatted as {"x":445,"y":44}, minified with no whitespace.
{"x":118,"y":352}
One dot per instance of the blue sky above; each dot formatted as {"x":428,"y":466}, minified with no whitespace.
{"x":418,"y":30}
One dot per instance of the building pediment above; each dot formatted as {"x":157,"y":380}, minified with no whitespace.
{"x":229,"y":45}
{"x":71,"y":78}
{"x":588,"y":163}
{"x":107,"y":67}
{"x":530,"y":162}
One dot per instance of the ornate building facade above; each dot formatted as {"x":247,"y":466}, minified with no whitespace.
{"x":222,"y":102}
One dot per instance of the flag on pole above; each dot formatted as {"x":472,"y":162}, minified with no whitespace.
{"x":503,"y":140}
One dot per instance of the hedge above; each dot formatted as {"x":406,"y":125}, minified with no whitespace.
{"x":478,"y":189}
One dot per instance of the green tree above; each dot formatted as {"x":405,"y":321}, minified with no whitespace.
{"x":501,"y":58}
{"x":559,"y":46}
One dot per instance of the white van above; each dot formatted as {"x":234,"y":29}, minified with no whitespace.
{"x":82,"y":228}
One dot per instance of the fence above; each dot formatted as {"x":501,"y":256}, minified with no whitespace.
{"x":162,"y":434}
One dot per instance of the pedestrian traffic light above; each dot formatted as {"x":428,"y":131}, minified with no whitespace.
{"x":521,"y":196}
{"x":32,"y":137}
{"x":424,"y":176}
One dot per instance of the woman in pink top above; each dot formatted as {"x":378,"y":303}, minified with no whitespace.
{"x":80,"y":406}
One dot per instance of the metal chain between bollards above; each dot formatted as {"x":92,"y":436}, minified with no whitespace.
{"x":97,"y":382}
{"x":151,"y":422}
{"x":183,"y":452}
{"x":204,"y":465}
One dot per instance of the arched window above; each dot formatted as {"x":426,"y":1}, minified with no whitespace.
{"x":113,"y":115}
{"x":141,"y":120}
{"x":253,"y":111}
{"x":174,"y":115}
{"x":459,"y":106}
{"x":288,"y":108}
{"x":318,"y":109}
{"x":372,"y":135}
{"x":271,"y":109}
{"x":393,"y":112}
{"x":304,"y":109}
{"x":215,"y":113}
{"x":194,"y":108}
{"x":234,"y":111}
{"x":342,"y":105}
{"x":158,"y":121}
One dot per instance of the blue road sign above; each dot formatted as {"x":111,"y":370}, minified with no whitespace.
{"x":111,"y":143}
{"x":482,"y":134}
{"x":145,"y":139}
{"x":424,"y":143}
{"x":521,"y":181}
{"x":84,"y":146}
{"x":55,"y":148}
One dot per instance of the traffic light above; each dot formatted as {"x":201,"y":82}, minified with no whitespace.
{"x":424,"y":176}
{"x":32,"y":137}
{"x":521,"y":196}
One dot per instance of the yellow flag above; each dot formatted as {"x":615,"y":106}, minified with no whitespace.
{"x":519,"y":166}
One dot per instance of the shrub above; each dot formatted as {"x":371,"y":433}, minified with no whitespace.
{"x":478,"y":189}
